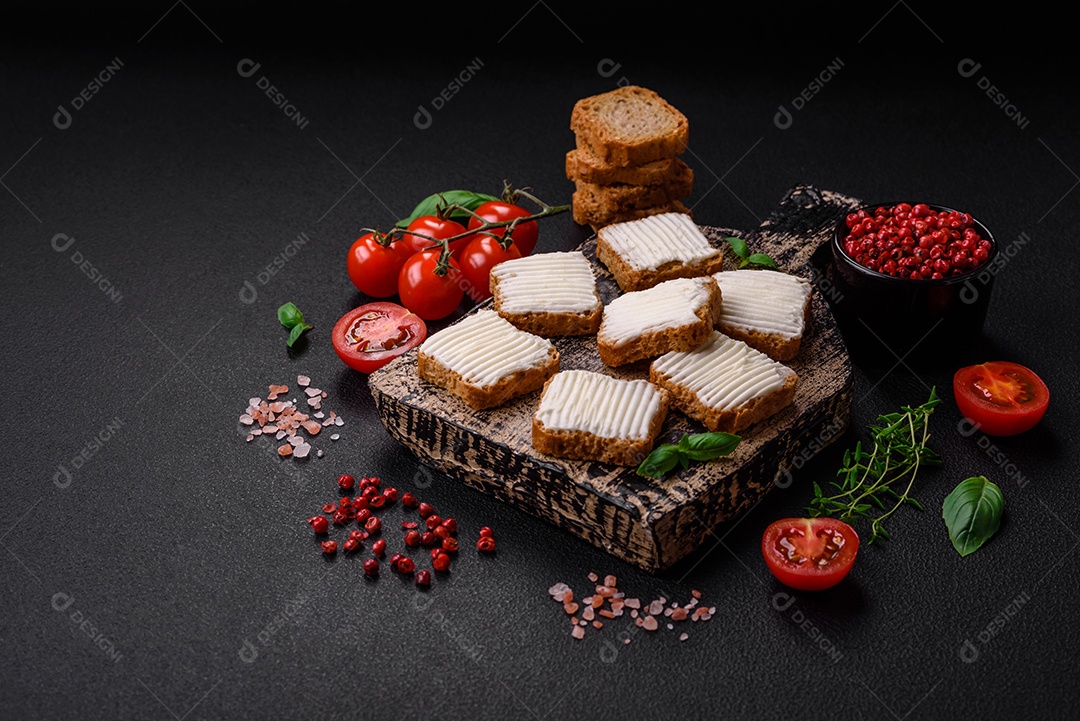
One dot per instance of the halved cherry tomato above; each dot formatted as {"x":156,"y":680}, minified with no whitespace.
{"x":477,"y":260}
{"x":374,"y":268}
{"x":435,"y":227}
{"x":1003,"y":398}
{"x":429,"y":295}
{"x":494,"y":211}
{"x":370,"y":336}
{"x":809,"y":554}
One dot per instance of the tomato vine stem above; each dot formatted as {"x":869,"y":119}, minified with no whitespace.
{"x":443,"y":266}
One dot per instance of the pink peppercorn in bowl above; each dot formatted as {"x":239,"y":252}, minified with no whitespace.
{"x":914,"y":278}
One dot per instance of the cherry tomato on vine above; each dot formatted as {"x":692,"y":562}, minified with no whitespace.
{"x":429,"y":295}
{"x":495,"y":211}
{"x":373,"y":268}
{"x":436,"y":227}
{"x":481,"y":255}
{"x":370,"y":336}
{"x":809,"y":554}
{"x":1003,"y":398}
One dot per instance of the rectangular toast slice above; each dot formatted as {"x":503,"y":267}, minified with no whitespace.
{"x":724,"y":383}
{"x":598,"y":219}
{"x":630,"y":125}
{"x":675,"y":315}
{"x":622,"y":196}
{"x":642,"y":253}
{"x":548,"y":294}
{"x":591,"y":416}
{"x":582,"y":165}
{"x":486,"y":361}
{"x":766,"y":309}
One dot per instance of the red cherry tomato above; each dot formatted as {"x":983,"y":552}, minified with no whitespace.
{"x":369,"y":337}
{"x":809,"y":554}
{"x":435,"y":227}
{"x":477,"y":260}
{"x":425,"y":293}
{"x":1003,"y":398}
{"x":494,"y":211}
{"x":373,"y":268}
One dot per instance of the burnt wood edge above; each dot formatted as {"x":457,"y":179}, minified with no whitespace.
{"x":532,"y":485}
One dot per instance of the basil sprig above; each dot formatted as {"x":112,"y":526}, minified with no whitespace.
{"x":741,"y":249}
{"x":691,"y":447}
{"x":291,"y":317}
{"x":430,"y":204}
{"x":972,"y":513}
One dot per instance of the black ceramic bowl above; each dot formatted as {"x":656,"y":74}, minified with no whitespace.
{"x":920,"y":319}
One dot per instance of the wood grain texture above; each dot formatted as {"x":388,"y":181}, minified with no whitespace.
{"x":651,"y":524}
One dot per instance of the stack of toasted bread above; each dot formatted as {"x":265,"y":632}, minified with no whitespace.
{"x":626,"y":164}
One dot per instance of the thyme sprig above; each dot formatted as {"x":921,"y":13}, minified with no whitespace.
{"x":872,"y":484}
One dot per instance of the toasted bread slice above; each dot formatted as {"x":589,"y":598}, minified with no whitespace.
{"x":675,"y":315}
{"x":724,"y":383}
{"x":765,"y":309}
{"x":582,"y":165}
{"x":486,"y":361}
{"x":596,"y":219}
{"x":592,"y":416}
{"x":549,"y":294}
{"x":630,"y":125}
{"x":642,"y":253}
{"x":617,"y":197}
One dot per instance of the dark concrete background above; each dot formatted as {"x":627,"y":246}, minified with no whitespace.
{"x":172,"y":574}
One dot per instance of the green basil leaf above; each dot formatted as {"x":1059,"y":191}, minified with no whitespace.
{"x":761,"y":259}
{"x":296,"y":332}
{"x":429,"y":205}
{"x":707,"y":446}
{"x":660,"y":462}
{"x":289,"y":315}
{"x":739,"y":246}
{"x":972,"y":513}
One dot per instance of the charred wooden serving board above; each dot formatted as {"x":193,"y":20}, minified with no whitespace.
{"x":652,"y":524}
